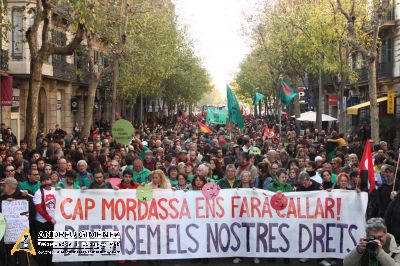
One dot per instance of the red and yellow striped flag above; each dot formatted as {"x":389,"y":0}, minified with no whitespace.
{"x":204,"y":128}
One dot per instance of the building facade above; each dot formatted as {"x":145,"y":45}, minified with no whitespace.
{"x":64,"y":84}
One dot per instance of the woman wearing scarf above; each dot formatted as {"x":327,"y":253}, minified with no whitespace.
{"x":280,"y":183}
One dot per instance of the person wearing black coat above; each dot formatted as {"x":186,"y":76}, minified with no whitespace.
{"x":384,"y":191}
{"x":392,"y":218}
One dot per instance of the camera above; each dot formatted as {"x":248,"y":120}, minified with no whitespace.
{"x":371,"y":243}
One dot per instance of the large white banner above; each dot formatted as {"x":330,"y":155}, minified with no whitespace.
{"x":237,"y":223}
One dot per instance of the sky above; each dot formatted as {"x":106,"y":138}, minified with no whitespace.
{"x":216,"y":27}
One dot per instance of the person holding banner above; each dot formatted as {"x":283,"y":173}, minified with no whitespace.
{"x":69,"y":181}
{"x":377,"y":248}
{"x":11,"y":193}
{"x":84,"y":178}
{"x":280,"y":183}
{"x":99,"y":181}
{"x":159,"y":180}
{"x":230,"y":180}
{"x":45,"y":203}
{"x":307,"y":184}
{"x":127,"y":181}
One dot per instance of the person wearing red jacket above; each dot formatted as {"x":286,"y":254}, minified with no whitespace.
{"x":45,"y":203}
{"x":127,"y":181}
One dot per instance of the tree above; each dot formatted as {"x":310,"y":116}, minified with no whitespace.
{"x":160,"y":62}
{"x":304,"y":39}
{"x":45,"y":17}
{"x":5,"y":25}
{"x":363,"y":34}
{"x":107,"y":31}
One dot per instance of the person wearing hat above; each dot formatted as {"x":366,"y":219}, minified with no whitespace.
{"x":11,"y":193}
{"x":385,"y":190}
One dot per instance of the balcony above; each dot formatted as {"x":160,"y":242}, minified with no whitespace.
{"x":384,"y":70}
{"x":389,"y":19}
{"x":3,"y":60}
{"x":63,"y":70}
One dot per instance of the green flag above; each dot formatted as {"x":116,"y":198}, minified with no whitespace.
{"x":286,"y":94}
{"x":258,"y":97}
{"x":235,"y":116}
{"x":217,"y":116}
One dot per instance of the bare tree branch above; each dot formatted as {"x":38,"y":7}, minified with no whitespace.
{"x":31,"y":33}
{"x":70,"y":48}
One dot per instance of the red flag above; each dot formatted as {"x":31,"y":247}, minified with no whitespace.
{"x":367,"y":172}
{"x":204,"y":128}
{"x":272,"y":134}
{"x":266,"y":133}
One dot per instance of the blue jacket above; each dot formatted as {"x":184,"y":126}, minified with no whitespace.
{"x":266,"y":183}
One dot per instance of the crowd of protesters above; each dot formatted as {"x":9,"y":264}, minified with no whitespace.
{"x":176,"y":155}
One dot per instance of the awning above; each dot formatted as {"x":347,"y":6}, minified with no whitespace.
{"x":353,"y":110}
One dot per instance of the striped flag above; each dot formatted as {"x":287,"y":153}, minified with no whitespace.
{"x":204,"y":128}
{"x":367,"y":173}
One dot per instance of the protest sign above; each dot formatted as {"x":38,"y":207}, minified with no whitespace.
{"x":122,"y":131}
{"x":237,"y":223}
{"x":16,"y":218}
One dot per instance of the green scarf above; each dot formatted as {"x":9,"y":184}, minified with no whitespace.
{"x":372,"y":259}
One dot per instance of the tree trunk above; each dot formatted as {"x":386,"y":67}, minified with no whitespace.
{"x":114,"y":90}
{"x":297,"y":112}
{"x":255,"y":111}
{"x":374,"y":108}
{"x":320,"y":104}
{"x":93,"y":83}
{"x":32,"y":120}
{"x":141,"y":109}
{"x":266,"y":109}
{"x":259,"y":110}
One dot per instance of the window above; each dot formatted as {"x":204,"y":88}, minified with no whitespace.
{"x":17,"y":33}
{"x":58,"y":38}
{"x":386,"y":53}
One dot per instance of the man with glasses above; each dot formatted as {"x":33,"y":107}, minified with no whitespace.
{"x":274,"y":169}
{"x":9,"y":160}
{"x":9,"y":171}
{"x":32,"y":184}
{"x":377,"y":248}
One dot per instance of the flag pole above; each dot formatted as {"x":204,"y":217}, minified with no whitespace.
{"x":280,"y":118}
{"x":397,"y":167}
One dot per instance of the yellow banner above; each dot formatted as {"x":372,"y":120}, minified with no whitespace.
{"x":390,"y":102}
